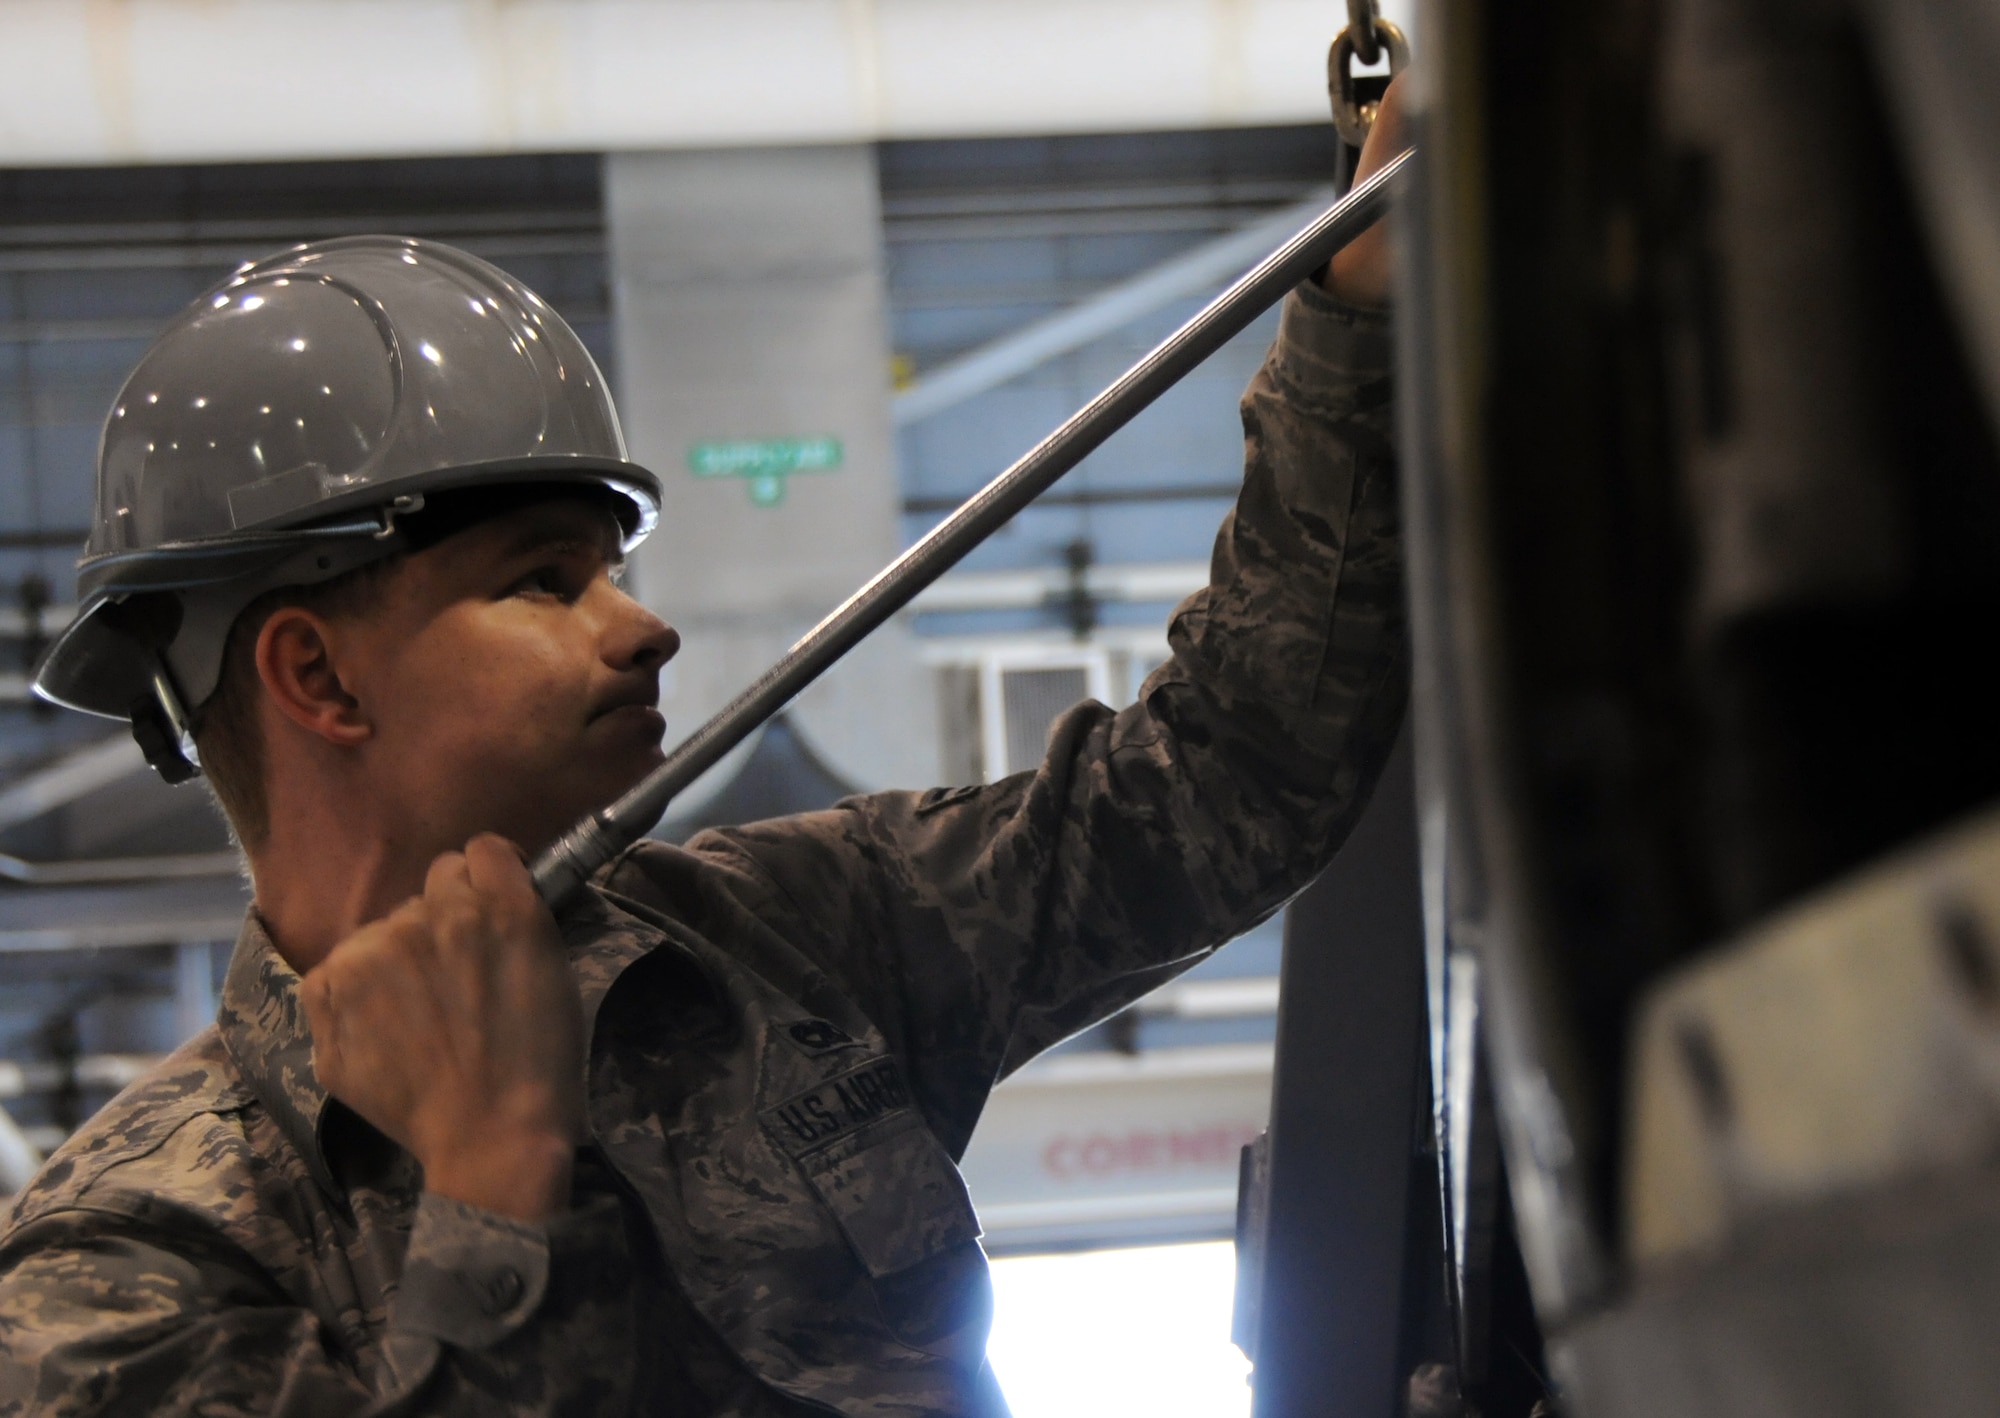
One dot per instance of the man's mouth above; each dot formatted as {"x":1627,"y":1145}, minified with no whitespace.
{"x":633,"y":705}
{"x":635,"y":722}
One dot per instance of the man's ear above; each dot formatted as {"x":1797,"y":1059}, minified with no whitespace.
{"x":296,"y":663}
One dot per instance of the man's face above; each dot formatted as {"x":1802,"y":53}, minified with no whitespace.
{"x":510,"y":683}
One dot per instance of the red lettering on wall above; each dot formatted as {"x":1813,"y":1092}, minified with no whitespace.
{"x":1089,"y":1156}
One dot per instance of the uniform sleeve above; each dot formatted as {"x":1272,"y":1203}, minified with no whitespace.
{"x":980,"y":926}
{"x":105,"y":1313}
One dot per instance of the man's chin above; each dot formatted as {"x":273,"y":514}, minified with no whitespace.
{"x":603,"y":778}
{"x":569,"y":794}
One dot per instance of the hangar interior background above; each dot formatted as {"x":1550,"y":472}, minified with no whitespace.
{"x":828,"y":318}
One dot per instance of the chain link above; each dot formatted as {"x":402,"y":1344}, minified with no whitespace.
{"x":1361,"y":19}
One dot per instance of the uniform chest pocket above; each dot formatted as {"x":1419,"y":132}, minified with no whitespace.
{"x":882,"y":1174}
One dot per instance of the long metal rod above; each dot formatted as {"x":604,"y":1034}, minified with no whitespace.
{"x":592,"y":843}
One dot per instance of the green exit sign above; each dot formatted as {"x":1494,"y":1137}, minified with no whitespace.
{"x":764,"y":463}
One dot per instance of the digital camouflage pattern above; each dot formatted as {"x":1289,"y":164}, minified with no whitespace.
{"x":794,"y":1027}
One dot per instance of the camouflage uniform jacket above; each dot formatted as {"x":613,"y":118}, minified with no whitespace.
{"x":794,"y":1027}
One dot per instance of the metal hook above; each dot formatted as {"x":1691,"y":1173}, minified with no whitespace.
{"x":1351,"y":117}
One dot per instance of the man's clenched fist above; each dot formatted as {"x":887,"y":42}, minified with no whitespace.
{"x":453,"y":1024}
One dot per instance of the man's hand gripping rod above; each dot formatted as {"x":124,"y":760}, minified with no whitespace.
{"x":593,"y":842}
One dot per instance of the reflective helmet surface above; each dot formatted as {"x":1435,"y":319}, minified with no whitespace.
{"x":321,"y":378}
{"x":293,"y":403}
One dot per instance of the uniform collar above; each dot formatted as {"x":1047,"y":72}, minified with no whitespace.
{"x":604,"y":940}
{"x":263,"y":1025}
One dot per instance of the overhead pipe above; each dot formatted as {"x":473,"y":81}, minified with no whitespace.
{"x":105,"y":871}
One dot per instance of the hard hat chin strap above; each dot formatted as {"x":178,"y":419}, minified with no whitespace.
{"x":161,"y":724}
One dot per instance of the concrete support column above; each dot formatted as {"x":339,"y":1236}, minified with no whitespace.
{"x":753,"y":377}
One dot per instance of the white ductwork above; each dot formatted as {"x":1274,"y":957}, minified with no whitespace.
{"x":1199,"y":272}
{"x":229,"y":80}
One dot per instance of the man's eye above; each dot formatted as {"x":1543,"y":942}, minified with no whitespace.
{"x":544,"y":581}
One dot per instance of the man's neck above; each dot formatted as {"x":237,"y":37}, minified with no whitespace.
{"x":316,"y":884}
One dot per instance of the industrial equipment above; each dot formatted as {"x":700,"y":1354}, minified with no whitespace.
{"x":1703,"y":514}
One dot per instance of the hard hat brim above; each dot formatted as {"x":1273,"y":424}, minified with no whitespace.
{"x":98,"y":667}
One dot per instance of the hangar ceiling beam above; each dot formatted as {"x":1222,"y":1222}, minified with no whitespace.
{"x":82,"y":771}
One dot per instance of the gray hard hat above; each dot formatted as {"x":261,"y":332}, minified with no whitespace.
{"x":282,"y":428}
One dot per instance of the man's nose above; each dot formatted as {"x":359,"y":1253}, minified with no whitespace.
{"x":638,"y":639}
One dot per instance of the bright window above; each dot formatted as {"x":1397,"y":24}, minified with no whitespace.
{"x":1132,"y":1331}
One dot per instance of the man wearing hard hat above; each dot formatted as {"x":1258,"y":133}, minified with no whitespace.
{"x":689,"y":1147}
